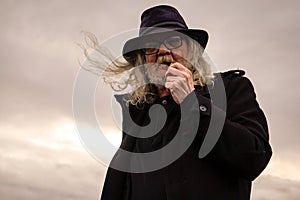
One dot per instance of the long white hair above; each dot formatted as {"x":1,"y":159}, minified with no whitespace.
{"x":121,"y":75}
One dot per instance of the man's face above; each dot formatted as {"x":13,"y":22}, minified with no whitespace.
{"x":160,"y":52}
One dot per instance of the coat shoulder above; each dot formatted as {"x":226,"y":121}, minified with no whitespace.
{"x":233,"y":73}
{"x":231,"y":79}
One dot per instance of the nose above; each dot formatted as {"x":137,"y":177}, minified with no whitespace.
{"x":163,"y":49}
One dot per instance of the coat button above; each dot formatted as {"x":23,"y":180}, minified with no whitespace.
{"x":203,"y":108}
{"x":164,"y":102}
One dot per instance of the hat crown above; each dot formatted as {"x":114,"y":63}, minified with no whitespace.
{"x":162,"y":16}
{"x":157,"y":20}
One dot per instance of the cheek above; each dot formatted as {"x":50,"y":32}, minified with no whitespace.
{"x":180,"y":54}
{"x":151,"y":58}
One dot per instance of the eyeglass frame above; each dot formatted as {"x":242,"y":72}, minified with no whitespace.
{"x":160,"y":42}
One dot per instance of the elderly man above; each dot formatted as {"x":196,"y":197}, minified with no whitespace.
{"x":168,"y":58}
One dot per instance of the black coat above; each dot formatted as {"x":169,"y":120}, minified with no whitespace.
{"x":226,"y":173}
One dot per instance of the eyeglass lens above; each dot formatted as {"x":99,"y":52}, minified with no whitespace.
{"x":172,"y":42}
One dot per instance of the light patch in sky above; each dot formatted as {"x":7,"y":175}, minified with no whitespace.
{"x":61,"y":136}
{"x":114,"y":137}
{"x":284,"y":168}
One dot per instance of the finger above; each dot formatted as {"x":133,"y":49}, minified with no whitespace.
{"x":180,"y":67}
{"x":176,"y":82}
{"x":180,"y":76}
{"x":174,"y":72}
{"x":169,"y":85}
{"x":177,"y":69}
{"x":178,"y":79}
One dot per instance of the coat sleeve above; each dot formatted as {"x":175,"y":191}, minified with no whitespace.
{"x":243,"y":147}
{"x":117,"y":183}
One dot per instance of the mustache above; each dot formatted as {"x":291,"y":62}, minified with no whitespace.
{"x":165,"y":60}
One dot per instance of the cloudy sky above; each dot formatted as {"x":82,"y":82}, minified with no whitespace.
{"x":41,"y":156}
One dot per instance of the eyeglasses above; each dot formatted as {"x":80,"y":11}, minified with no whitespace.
{"x":172,"y":42}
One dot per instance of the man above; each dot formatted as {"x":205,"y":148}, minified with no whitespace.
{"x":169,"y":70}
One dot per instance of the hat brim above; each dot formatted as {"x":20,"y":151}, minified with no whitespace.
{"x":132,"y":46}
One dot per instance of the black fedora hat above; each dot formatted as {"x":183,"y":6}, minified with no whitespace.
{"x":158,"y":19}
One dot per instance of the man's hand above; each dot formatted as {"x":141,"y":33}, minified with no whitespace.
{"x":179,"y":80}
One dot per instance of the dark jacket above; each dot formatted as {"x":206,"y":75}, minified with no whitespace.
{"x":239,"y":156}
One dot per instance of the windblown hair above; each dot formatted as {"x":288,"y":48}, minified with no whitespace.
{"x":122,"y":75}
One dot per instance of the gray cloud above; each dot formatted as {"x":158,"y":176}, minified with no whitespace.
{"x":41,"y":171}
{"x":275,"y":188}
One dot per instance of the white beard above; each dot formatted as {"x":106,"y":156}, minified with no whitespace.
{"x":156,"y":71}
{"x":156,"y":74}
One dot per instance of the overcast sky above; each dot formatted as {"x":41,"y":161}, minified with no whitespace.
{"x":41,"y":156}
